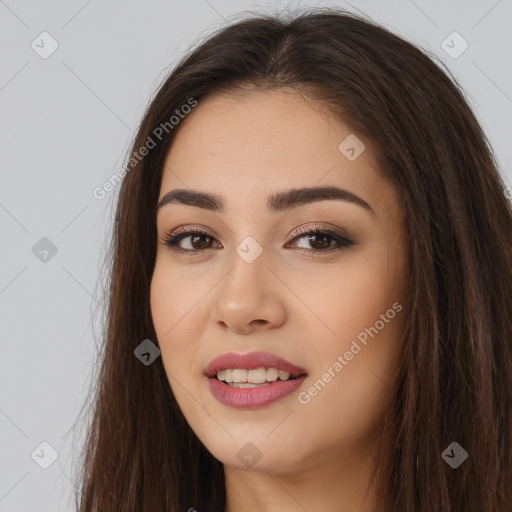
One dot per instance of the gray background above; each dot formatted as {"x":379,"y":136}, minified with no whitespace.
{"x":66,"y":123}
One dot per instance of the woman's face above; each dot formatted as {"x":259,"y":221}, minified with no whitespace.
{"x":254,"y":283}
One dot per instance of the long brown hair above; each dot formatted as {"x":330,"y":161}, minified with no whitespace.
{"x":455,"y":377}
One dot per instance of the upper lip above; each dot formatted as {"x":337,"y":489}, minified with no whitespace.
{"x":250,"y":361}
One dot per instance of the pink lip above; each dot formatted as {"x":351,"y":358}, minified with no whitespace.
{"x":251,"y":361}
{"x":251,"y":398}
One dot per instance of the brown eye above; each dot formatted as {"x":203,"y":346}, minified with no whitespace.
{"x":322,"y":244}
{"x":320,"y":240}
{"x":199,"y":241}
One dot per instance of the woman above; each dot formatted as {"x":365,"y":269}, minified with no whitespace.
{"x":311,"y":286}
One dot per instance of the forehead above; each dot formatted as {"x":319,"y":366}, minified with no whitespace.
{"x":252,"y":145}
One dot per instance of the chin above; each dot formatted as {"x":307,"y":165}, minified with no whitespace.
{"x":254,"y":453}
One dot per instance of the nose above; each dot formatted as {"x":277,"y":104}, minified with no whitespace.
{"x":249,"y":298}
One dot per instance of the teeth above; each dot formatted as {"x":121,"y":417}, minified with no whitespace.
{"x":239,"y":376}
{"x":283,"y":375}
{"x":258,"y":376}
{"x":272,"y":374}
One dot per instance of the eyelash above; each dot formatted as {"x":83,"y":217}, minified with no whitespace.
{"x":172,"y":240}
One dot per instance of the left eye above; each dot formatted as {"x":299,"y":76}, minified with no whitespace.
{"x":320,"y":240}
{"x":200,"y":240}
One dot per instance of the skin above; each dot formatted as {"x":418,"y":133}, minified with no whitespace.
{"x":307,"y":309}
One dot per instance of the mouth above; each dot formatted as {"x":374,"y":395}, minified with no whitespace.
{"x":248,"y":395}
{"x":254,"y":378}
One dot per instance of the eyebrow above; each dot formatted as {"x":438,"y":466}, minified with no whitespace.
{"x":280,"y":201}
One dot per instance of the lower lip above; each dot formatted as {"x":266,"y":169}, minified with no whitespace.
{"x":251,"y":398}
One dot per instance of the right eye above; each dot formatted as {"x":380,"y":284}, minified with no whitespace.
{"x":197,"y":236}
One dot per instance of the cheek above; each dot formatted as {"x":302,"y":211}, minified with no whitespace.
{"x":350,"y":396}
{"x":174,"y":300}
{"x":176,"y":337}
{"x":346,"y":301}
{"x":360,"y":324}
